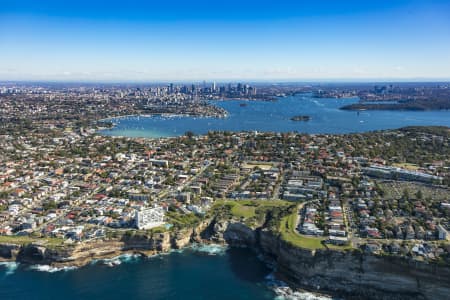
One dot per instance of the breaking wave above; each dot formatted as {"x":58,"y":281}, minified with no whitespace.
{"x":51,"y":269}
{"x":284,"y":292}
{"x":211,"y":249}
{"x":118,"y":260}
{"x":10,"y":267}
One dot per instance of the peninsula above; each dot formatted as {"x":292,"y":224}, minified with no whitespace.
{"x":418,"y":105}
{"x":400,"y":96}
{"x":360,"y":215}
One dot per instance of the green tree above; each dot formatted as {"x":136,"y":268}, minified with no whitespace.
{"x":189,"y":134}
{"x":419,"y":194}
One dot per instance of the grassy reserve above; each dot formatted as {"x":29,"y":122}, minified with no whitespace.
{"x":282,"y":214}
{"x":23,"y":240}
{"x":252,"y":212}
{"x":179,"y":220}
{"x":243,"y":211}
{"x":289,"y":234}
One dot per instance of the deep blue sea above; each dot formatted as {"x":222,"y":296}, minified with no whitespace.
{"x":188,"y":274}
{"x":275,"y":117}
{"x":203,"y":272}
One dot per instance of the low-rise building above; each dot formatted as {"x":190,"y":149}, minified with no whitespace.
{"x":149,"y":218}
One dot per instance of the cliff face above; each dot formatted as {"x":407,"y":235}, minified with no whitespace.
{"x":182,"y":238}
{"x":68,"y":255}
{"x":8,"y":251}
{"x":156,"y":242}
{"x":80,"y":254}
{"x":353,"y":274}
{"x":234,"y":234}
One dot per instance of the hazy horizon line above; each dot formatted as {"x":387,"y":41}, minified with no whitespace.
{"x":224,"y":80}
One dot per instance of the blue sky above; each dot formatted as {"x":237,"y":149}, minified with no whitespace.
{"x":224,"y":40}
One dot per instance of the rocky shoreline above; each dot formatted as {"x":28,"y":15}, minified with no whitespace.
{"x":348,"y":274}
{"x":81,"y":254}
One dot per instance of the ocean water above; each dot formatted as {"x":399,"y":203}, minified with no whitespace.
{"x":326,"y":117}
{"x":201,"y":272}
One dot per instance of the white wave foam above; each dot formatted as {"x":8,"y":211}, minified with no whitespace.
{"x":117,"y":260}
{"x":128,"y":257}
{"x":284,"y":292}
{"x":211,"y":249}
{"x":51,"y":269}
{"x":171,"y":251}
{"x":112,"y":262}
{"x":10,"y":266}
{"x":288,"y":294}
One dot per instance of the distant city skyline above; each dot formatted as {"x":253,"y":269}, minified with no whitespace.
{"x":183,"y":41}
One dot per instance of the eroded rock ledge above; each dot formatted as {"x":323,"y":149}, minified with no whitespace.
{"x":352,"y":274}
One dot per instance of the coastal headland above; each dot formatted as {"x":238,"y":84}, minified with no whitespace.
{"x":362,"y":215}
{"x":344,"y":271}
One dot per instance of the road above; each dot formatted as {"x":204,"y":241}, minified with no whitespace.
{"x":164,"y":193}
{"x":297,"y":220}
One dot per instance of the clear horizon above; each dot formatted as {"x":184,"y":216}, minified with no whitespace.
{"x":260,"y":41}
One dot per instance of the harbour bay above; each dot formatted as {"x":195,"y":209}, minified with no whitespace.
{"x":275,"y":116}
{"x":208,"y":150}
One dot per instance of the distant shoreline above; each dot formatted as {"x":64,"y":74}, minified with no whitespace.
{"x":401,"y":106}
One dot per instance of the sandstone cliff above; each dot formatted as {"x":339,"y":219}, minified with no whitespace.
{"x":79,"y":254}
{"x":8,"y":251}
{"x":350,"y":273}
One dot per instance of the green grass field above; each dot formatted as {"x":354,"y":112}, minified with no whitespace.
{"x":340,"y":248}
{"x":23,"y":240}
{"x":289,"y":234}
{"x":243,"y":211}
{"x":247,"y":208}
{"x":180,"y":219}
